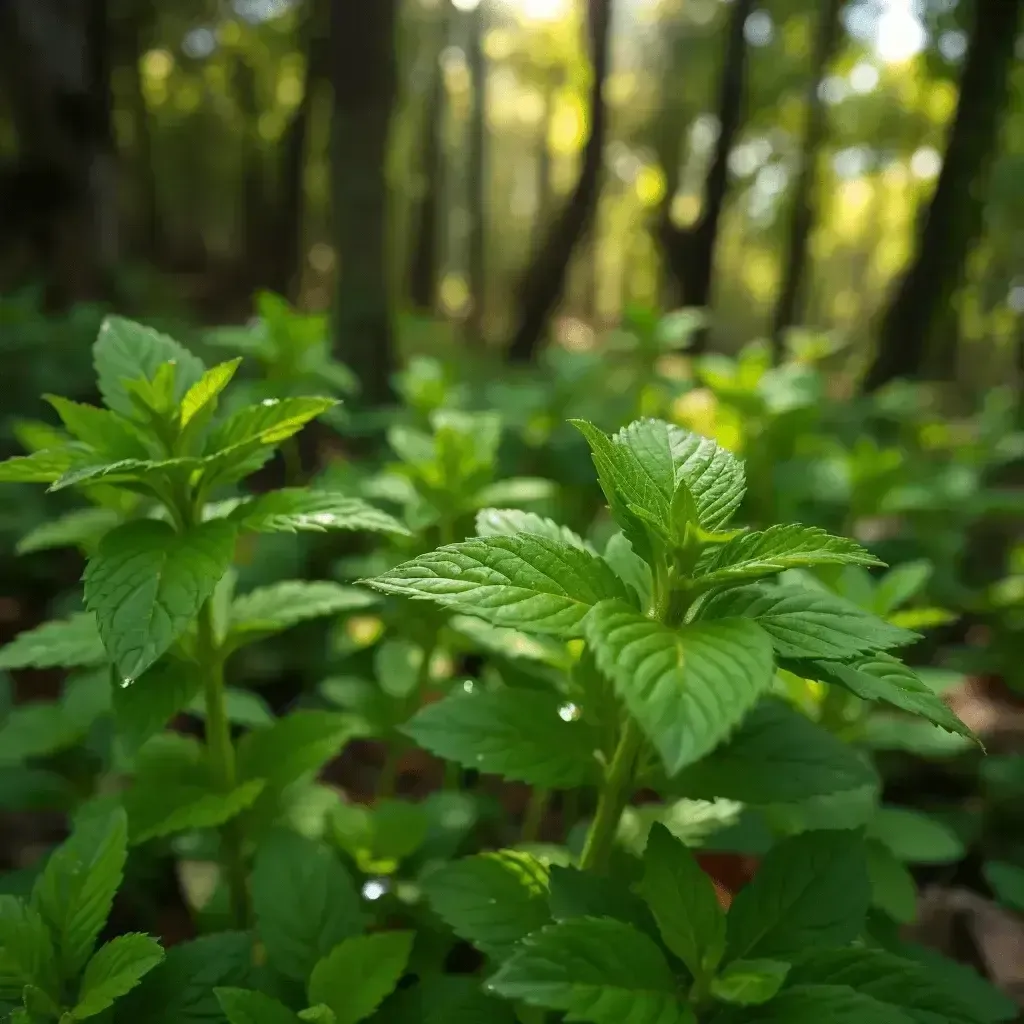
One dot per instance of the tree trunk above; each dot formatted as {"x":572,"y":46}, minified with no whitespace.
{"x":803,"y":213}
{"x":544,"y":278}
{"x":545,"y":195}
{"x":253,"y":252}
{"x":475,"y":177}
{"x":690,"y":252}
{"x":954,"y":218}
{"x":365,"y":79}
{"x":287,"y":251}
{"x":423,"y":261}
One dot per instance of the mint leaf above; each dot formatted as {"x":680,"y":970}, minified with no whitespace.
{"x":811,"y":890}
{"x":777,"y":756}
{"x":201,"y":398}
{"x":282,"y":605}
{"x":517,"y":734}
{"x":42,"y":467}
{"x":882,"y":678}
{"x":576,"y":893}
{"x":525,"y":581}
{"x":445,"y":999}
{"x":304,"y":900}
{"x":355,"y":976}
{"x":492,"y":899}
{"x":779,"y":547}
{"x":111,"y":436}
{"x":1007,"y":882}
{"x":242,"y":1006}
{"x":66,"y":643}
{"x":76,"y":889}
{"x":805,"y":623}
{"x":27,"y":956}
{"x":916,"y":838}
{"x":629,"y":567}
{"x":293,"y":746}
{"x":507,"y":522}
{"x":688,"y":687}
{"x":184,"y":805}
{"x":180,"y":990}
{"x":595,"y":969}
{"x":749,"y":982}
{"x":79,"y":528}
{"x":114,"y":970}
{"x":893,"y":889}
{"x":899,"y":585}
{"x":147,"y":583}
{"x":813,"y":1004}
{"x":150,"y":472}
{"x":292,"y":509}
{"x":144,"y":707}
{"x":684,"y":903}
{"x":125,"y":351}
{"x":900,"y":984}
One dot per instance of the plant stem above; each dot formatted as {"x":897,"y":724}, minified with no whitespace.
{"x":535,"y":812}
{"x":221,"y":754}
{"x":615,"y":794}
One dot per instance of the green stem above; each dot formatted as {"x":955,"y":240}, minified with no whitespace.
{"x":221,"y":755}
{"x":615,"y":794}
{"x":536,"y":809}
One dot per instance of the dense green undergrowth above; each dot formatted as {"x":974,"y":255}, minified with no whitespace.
{"x":701,"y":640}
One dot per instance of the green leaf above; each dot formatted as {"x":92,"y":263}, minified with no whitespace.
{"x":765,"y":552}
{"x":110,"y":435}
{"x":27,"y":956}
{"x":42,"y":467}
{"x":83,"y":526}
{"x":295,"y":508}
{"x":576,"y":893}
{"x":777,"y":756}
{"x":183,"y":806}
{"x":899,"y":585}
{"x":398,"y":665}
{"x":66,"y":643}
{"x":180,"y":990}
{"x":684,"y":903}
{"x":241,"y":707}
{"x":894,"y":982}
{"x":114,"y":970}
{"x":201,"y":398}
{"x":810,"y":890}
{"x":805,"y":623}
{"x":749,"y":982}
{"x":243,"y":1006}
{"x":39,"y":729}
{"x":528,"y":582}
{"x":507,"y":522}
{"x":893,"y":889}
{"x":689,"y":687}
{"x":916,"y":838}
{"x":125,"y":350}
{"x":144,"y":707}
{"x":629,"y":567}
{"x":595,"y":969}
{"x":293,"y":746}
{"x":445,"y":999}
{"x":304,"y":900}
{"x":356,"y":975}
{"x":1007,"y":882}
{"x":150,"y":472}
{"x":521,"y":735}
{"x":147,"y":583}
{"x":76,"y":889}
{"x":282,"y":605}
{"x":492,"y":899}
{"x":813,"y":1004}
{"x":883,"y":678}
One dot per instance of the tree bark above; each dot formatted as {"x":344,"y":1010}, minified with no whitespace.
{"x":955,"y":216}
{"x":365,"y":80}
{"x":544,"y":279}
{"x":423,"y":261}
{"x":475,"y":174}
{"x":690,"y":252}
{"x":803,"y":213}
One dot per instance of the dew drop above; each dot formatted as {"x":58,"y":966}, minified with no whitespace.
{"x":324,"y":518}
{"x":569,"y":712}
{"x":270,"y":401}
{"x":469,"y":686}
{"x":126,"y":682}
{"x":375,"y":888}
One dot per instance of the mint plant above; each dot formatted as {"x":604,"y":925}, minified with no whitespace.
{"x":160,"y":613}
{"x":676,"y":689}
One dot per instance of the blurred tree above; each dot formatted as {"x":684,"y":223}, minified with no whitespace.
{"x":476,"y":172}
{"x":365,"y":80}
{"x":690,"y":251}
{"x":952,"y":223}
{"x":802,"y":215}
{"x":544,"y":278}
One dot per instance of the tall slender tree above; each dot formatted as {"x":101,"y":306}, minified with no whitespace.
{"x":365,"y":81}
{"x":803,"y":213}
{"x":690,"y":252}
{"x":476,"y":171}
{"x":544,"y":278}
{"x":924,"y":297}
